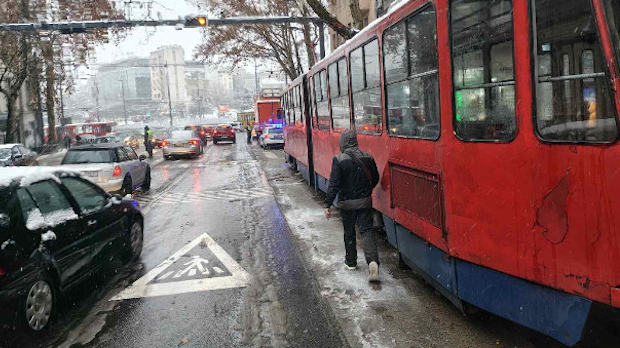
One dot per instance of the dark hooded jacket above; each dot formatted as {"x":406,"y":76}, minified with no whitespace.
{"x":349,"y":179}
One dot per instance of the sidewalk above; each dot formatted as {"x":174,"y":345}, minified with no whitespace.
{"x":403,"y":311}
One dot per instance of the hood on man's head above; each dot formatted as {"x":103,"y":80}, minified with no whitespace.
{"x":348,"y":140}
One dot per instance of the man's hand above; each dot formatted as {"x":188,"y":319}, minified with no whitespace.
{"x":328,"y":213}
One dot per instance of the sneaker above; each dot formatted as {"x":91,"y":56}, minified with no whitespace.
{"x":350,"y":267}
{"x":373,"y":272}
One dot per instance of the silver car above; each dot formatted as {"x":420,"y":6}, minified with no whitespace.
{"x":182,"y":143}
{"x":114,"y":167}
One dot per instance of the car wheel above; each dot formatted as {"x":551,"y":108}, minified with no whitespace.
{"x":234,"y":141}
{"x":38,"y":304}
{"x":135,"y":240}
{"x":127,"y":189}
{"x":214,"y":142}
{"x":146,"y":184}
{"x":166,"y":158}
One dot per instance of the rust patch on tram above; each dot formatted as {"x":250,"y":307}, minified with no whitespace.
{"x":551,"y":216}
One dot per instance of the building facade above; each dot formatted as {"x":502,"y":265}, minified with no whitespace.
{"x":130,"y":76}
{"x":341,"y":10}
{"x":167,"y":69}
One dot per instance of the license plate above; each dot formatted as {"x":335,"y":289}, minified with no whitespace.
{"x":91,"y":174}
{"x":279,"y":137}
{"x":179,"y":145}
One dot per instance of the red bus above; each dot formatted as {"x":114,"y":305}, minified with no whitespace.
{"x":494,"y":124}
{"x":75,"y":129}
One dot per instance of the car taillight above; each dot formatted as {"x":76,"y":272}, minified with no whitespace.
{"x":117,"y":172}
{"x":164,"y":143}
{"x":266,"y":136}
{"x":193,"y":142}
{"x":202,"y":133}
{"x":2,"y":272}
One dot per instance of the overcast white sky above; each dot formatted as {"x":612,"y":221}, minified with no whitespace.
{"x":141,"y":41}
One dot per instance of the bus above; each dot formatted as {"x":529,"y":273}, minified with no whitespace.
{"x":494,"y":125}
{"x":75,"y":129}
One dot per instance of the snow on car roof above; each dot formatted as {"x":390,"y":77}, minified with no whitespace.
{"x":29,"y":175}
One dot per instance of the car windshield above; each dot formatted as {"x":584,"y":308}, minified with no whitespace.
{"x":182,"y":135}
{"x":88,"y":156}
{"x":5,"y":153}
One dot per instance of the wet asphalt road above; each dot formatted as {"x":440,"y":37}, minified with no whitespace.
{"x":271,"y":300}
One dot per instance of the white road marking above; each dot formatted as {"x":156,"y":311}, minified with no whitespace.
{"x":141,"y":287}
{"x":166,"y":275}
{"x":217,"y":270}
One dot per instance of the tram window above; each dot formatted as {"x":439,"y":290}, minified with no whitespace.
{"x":371,"y":63}
{"x":413,"y":96}
{"x":482,"y":56}
{"x":322,"y":106}
{"x":612,"y":10}
{"x":311,"y":100}
{"x":357,"y":70}
{"x":574,"y":102}
{"x":367,"y":96}
{"x":339,"y":95}
{"x":395,"y":53}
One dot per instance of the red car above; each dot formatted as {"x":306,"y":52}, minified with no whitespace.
{"x":224,"y":132}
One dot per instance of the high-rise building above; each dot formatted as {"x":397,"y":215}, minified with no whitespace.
{"x":167,"y":66}
{"x":129,"y":76}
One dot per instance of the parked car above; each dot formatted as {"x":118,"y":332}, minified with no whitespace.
{"x":56,"y":230}
{"x":17,"y":155}
{"x":224,"y":132}
{"x":110,"y":138}
{"x":183,"y":143}
{"x":133,"y":141}
{"x":114,"y":167}
{"x":271,"y":137}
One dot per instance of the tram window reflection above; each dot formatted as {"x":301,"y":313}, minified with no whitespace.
{"x":366,"y":93}
{"x":482,"y":52}
{"x":574,"y":102}
{"x":413,"y":94}
{"x":339,"y":95}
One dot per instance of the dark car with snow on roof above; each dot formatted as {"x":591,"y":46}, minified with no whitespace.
{"x":56,"y":230}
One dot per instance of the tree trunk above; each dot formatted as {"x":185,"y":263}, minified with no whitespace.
{"x":309,"y":46}
{"x":356,"y":13}
{"x":49,"y":102}
{"x":12,"y":120}
{"x":332,"y":21}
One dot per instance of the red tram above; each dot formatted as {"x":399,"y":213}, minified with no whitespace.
{"x":494,"y":124}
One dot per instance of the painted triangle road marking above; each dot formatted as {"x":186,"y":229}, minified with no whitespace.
{"x":204,"y":277}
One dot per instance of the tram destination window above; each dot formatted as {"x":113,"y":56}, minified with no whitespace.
{"x":339,"y":95}
{"x":573,"y":98}
{"x":365,"y":88}
{"x":482,"y":55}
{"x":412,"y":86}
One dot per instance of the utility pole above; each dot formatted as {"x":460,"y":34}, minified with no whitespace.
{"x":199,"y":99}
{"x":97,"y":97}
{"x":168,"y":86}
{"x":255,"y":78}
{"x":124,"y":106}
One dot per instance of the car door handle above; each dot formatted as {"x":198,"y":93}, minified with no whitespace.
{"x":91,"y":222}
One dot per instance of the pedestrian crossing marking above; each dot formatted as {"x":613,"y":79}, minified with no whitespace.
{"x":146,"y":287}
{"x":230,"y":195}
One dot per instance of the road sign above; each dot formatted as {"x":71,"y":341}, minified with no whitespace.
{"x":201,"y":265}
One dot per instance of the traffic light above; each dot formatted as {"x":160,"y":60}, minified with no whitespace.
{"x":199,"y":21}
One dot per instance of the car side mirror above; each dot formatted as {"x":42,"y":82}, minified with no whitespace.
{"x":18,"y":156}
{"x":142,"y":157}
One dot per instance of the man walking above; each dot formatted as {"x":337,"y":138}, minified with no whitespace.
{"x":249,"y":133}
{"x":354,"y":175}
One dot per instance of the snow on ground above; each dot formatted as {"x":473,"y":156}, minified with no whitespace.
{"x":403,"y":310}
{"x":47,"y":236}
